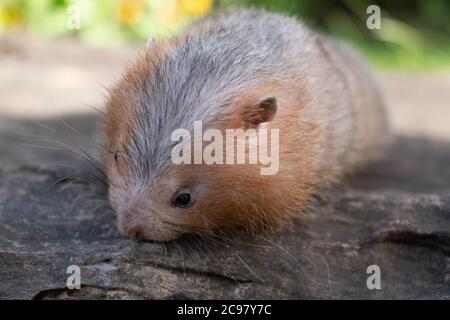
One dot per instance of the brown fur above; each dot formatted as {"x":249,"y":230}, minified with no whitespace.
{"x":330,"y":119}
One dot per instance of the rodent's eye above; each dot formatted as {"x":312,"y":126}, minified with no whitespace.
{"x":116,"y":154}
{"x":182,"y":200}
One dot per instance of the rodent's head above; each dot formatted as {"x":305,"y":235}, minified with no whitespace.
{"x":185,"y":199}
{"x":159,"y":200}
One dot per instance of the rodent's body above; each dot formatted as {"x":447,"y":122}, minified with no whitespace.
{"x":328,"y":110}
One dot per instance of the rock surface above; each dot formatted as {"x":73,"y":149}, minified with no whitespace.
{"x":395,"y":214}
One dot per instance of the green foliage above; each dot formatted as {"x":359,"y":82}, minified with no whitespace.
{"x":103,"y":22}
{"x":414,"y":35}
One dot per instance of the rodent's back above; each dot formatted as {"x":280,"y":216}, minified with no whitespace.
{"x":339,"y":92}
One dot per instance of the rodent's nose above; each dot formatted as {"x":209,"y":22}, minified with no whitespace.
{"x":135,"y":232}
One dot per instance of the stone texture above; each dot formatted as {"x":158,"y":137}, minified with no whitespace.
{"x":395,"y":214}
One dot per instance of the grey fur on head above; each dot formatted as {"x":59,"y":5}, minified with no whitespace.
{"x":223,"y":56}
{"x":217,"y":60}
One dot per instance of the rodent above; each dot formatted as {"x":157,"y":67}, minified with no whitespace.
{"x":221,"y":70}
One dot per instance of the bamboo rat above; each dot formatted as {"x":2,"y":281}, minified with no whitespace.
{"x":243,"y":69}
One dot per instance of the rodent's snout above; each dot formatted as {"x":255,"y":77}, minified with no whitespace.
{"x":128,"y":225}
{"x":137,"y":225}
{"x":135,"y":232}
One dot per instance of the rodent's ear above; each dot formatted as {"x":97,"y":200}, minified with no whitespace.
{"x":263,"y":111}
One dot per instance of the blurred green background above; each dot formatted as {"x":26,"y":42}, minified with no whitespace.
{"x":414,"y":35}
